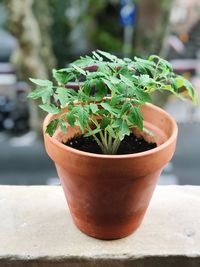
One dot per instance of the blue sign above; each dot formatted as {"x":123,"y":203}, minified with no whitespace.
{"x":127,"y":13}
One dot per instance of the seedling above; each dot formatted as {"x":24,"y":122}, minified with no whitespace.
{"x":110,"y":93}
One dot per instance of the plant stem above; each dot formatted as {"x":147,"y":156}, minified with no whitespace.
{"x":116,"y":145}
{"x":100,"y":144}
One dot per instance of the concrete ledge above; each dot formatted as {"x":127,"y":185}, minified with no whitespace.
{"x":36,"y":230}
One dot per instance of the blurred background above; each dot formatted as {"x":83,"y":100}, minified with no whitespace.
{"x":36,"y":36}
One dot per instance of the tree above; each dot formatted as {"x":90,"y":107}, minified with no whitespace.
{"x":33,"y":56}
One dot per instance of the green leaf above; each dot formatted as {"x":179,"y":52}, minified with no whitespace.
{"x":100,"y":90}
{"x":144,"y":79}
{"x":51,"y":127}
{"x":142,"y":95}
{"x":144,"y":66}
{"x":105,"y":122}
{"x":117,"y":100}
{"x":94,"y":108}
{"x":107,"y":55}
{"x":50,"y":108}
{"x":97,"y":56}
{"x":108,"y":83}
{"x":70,"y":118}
{"x":63,"y":76}
{"x":82,"y":118}
{"x":135,"y":117}
{"x":121,"y":88}
{"x":87,"y":87}
{"x":126,"y":81}
{"x":124,"y":130}
{"x":126,"y":72}
{"x":63,"y":126}
{"x":44,"y":93}
{"x":191,"y":91}
{"x":125,"y":107}
{"x":113,"y":110}
{"x":80,"y":70}
{"x":114,"y":80}
{"x":103,"y":67}
{"x":182,"y":82}
{"x":165,"y":64}
{"x":96,"y":75}
{"x":106,"y":106}
{"x":44,"y":83}
{"x":63,"y":95}
{"x":111,"y":132}
{"x":84,"y":61}
{"x":117,"y":123}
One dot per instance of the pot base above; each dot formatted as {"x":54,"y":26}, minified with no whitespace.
{"x":105,"y":233}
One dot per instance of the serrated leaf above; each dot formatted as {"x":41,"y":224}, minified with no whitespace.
{"x":84,"y":61}
{"x":128,"y":60}
{"x":113,"y":110}
{"x":63,"y":95}
{"x":142,"y":95}
{"x":103,"y":67}
{"x":114,"y":80}
{"x":121,"y":88}
{"x":100,"y":90}
{"x":124,"y":130}
{"x":93,"y":107}
{"x":80,"y":70}
{"x":70,"y":118}
{"x":135,"y":117}
{"x":191,"y":92}
{"x":182,"y":82}
{"x":108,"y":83}
{"x":125,"y":107}
{"x":157,"y":59}
{"x":62,"y":125}
{"x":126,"y":72}
{"x":144,"y":79}
{"x":44,"y":93}
{"x":117,"y":123}
{"x":107,"y":55}
{"x":50,"y":108}
{"x":82,"y":118}
{"x":51,"y":127}
{"x":105,"y":122}
{"x":63,"y":76}
{"x":106,"y":106}
{"x":96,"y":75}
{"x":87,"y":87}
{"x":126,"y":81}
{"x":97,"y":56}
{"x":44,"y":83}
{"x":144,"y":66}
{"x":116,"y":100}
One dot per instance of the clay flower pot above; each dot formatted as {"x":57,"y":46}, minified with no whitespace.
{"x":108,"y":195}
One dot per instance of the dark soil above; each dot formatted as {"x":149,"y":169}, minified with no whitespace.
{"x":130,"y":144}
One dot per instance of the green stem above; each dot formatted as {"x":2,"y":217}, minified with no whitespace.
{"x":100,"y":144}
{"x":116,"y":145}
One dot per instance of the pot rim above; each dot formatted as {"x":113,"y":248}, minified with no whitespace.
{"x":169,"y":141}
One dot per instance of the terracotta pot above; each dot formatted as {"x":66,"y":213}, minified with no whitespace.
{"x":108,"y":195}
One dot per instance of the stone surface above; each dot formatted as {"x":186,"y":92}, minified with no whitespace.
{"x":36,"y":230}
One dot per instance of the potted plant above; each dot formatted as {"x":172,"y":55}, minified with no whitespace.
{"x":108,"y":144}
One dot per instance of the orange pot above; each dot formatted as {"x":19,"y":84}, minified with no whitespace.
{"x":108,"y":195}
